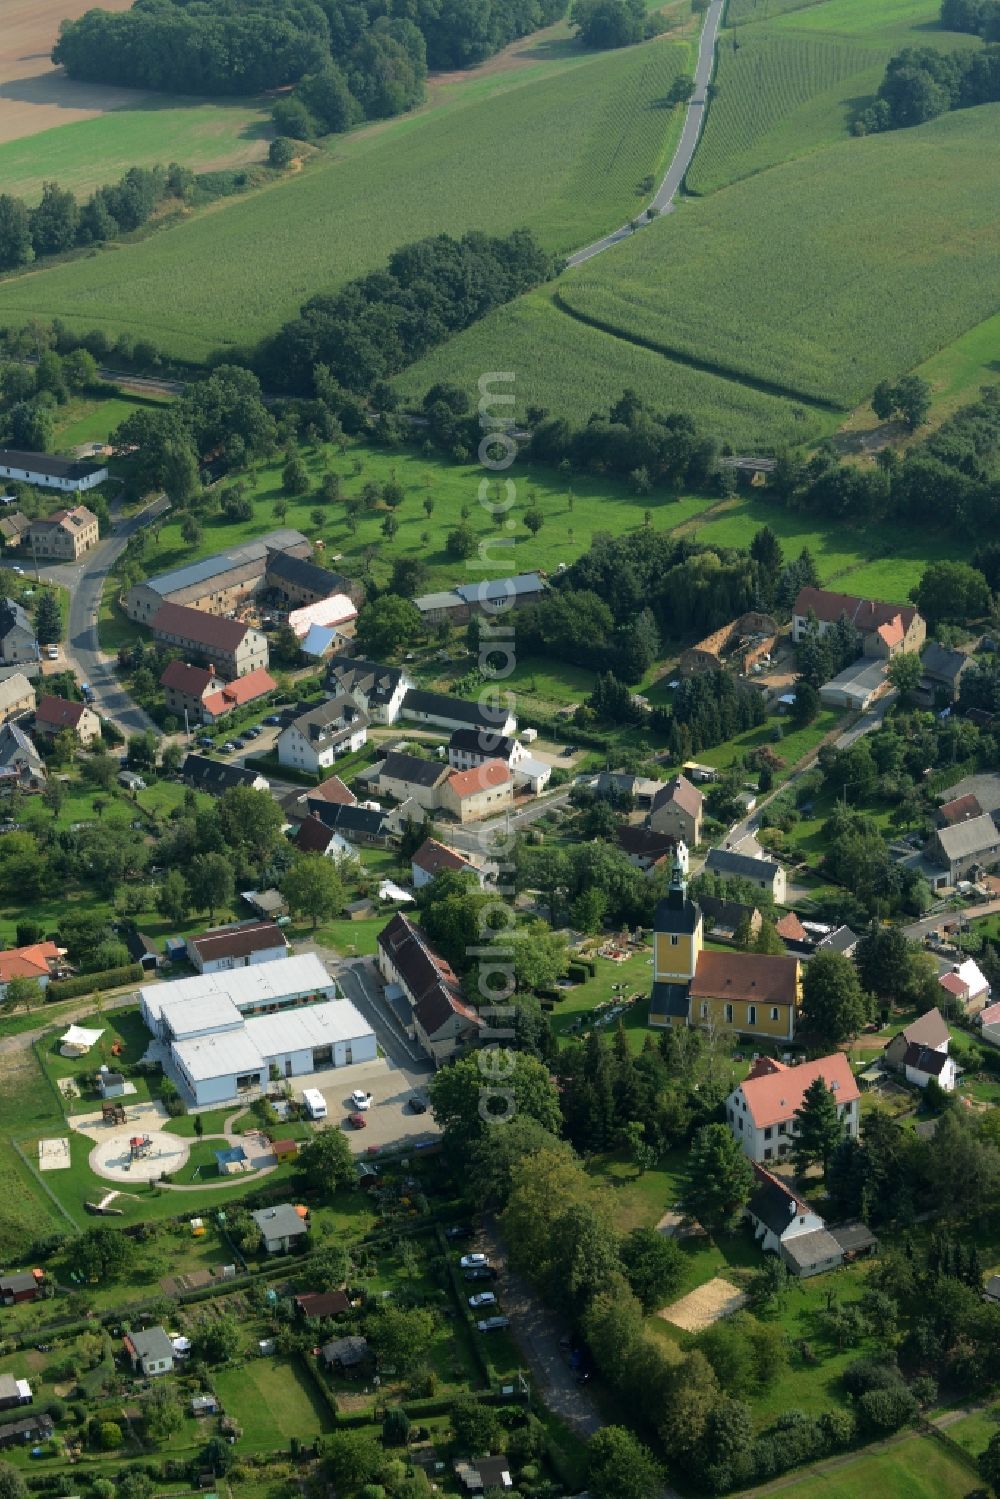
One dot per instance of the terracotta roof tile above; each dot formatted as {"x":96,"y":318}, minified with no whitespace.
{"x":483,"y":777}
{"x":754,"y":977}
{"x":777,"y":1094}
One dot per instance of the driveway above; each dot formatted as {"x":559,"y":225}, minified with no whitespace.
{"x":389,"y":1122}
{"x":663,"y":202}
{"x":85,"y":581}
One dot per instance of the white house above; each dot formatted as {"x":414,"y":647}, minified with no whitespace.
{"x":761,"y":1110}
{"x":531,"y":773}
{"x":432,"y":857}
{"x":71,"y":475}
{"x":968,"y":984}
{"x":314,"y":740}
{"x":237,"y":946}
{"x":777,"y":1215}
{"x":929,"y":1032}
{"x":378,"y":690}
{"x":151,"y":1351}
{"x":491,"y":716}
{"x":921,"y":1063}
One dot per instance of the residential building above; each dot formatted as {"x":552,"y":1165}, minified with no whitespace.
{"x":295,"y":581}
{"x":959,"y":809}
{"x":646,"y":848}
{"x":314,"y":837}
{"x":793,"y":933}
{"x":282,"y":1227}
{"x":237,"y":946}
{"x":886,"y":629}
{"x":967,"y":848}
{"x":929,"y":1031}
{"x":857,"y":687}
{"x":753,"y":994}
{"x":485,"y":791}
{"x":677,"y":809}
{"x":46,"y":471}
{"x":329,"y":793}
{"x":378,"y":690}
{"x":39,"y":961}
{"x":492,"y":597}
{"x":922,"y":1063}
{"x":356,"y":824}
{"x":14,"y":1392}
{"x":315,"y":739}
{"x":424,"y":990}
{"x":230,"y":646}
{"x":444,"y":712}
{"x":989,"y":1021}
{"x":251,"y":688}
{"x":967,"y":986}
{"x":214,"y":776}
{"x":432,"y":857}
{"x":777,"y":1214}
{"x":219,"y":584}
{"x":21,"y":1285}
{"x":151,"y":1351}
{"x":765,"y":874}
{"x":620,"y":786}
{"x":57,"y":715}
{"x":470,"y":747}
{"x":941,"y":672}
{"x":724,"y":917}
{"x":14,"y":527}
{"x":17,"y":697}
{"x":204,"y":697}
{"x":841,"y":940}
{"x":17,"y":634}
{"x":65,"y":535}
{"x":405,"y":777}
{"x":761,"y":1110}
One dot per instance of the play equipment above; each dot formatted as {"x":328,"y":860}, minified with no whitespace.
{"x":112,"y":1112}
{"x":139,"y":1147}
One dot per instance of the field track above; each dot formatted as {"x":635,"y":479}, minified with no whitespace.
{"x":34,"y":94}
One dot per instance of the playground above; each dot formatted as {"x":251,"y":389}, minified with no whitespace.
{"x":138,"y":1154}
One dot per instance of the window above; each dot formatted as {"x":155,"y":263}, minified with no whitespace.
{"x":751,"y":1014}
{"x":740,"y":1123}
{"x":774,"y":1012}
{"x":768,"y":1154}
{"x":768,"y":1133}
{"x":704,"y":1011}
{"x":729,"y":1014}
{"x":674,"y":941}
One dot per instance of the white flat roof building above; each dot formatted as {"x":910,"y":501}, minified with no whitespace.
{"x":286,"y":981}
{"x":227,"y":1054}
{"x":198,"y":1015}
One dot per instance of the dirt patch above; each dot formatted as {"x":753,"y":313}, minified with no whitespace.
{"x":53,"y":1155}
{"x":35,"y":94}
{"x":699,"y":1309}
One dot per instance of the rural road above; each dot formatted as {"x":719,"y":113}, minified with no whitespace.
{"x":693,"y":122}
{"x":85,"y":581}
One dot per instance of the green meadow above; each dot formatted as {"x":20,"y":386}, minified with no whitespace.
{"x":564,"y":155}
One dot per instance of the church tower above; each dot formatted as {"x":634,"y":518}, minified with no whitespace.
{"x":678,"y":938}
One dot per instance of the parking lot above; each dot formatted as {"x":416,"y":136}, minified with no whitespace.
{"x":389,"y":1121}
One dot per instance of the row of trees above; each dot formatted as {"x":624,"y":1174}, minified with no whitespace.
{"x":980,"y":17}
{"x":376,"y":325}
{"x":213,"y":47}
{"x":633,"y":440}
{"x":59,"y":223}
{"x":921,"y":82}
{"x":29,"y":396}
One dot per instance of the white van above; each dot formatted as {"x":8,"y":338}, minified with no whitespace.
{"x":315,"y":1103}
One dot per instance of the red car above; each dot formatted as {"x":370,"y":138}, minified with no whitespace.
{"x":358,"y":1121}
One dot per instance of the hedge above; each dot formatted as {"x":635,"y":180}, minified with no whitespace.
{"x":92,"y":983}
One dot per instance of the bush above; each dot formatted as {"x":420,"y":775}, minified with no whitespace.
{"x":91,"y":983}
{"x":887,"y":1409}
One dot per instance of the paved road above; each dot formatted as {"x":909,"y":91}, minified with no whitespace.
{"x":920,"y":929}
{"x":663,"y":202}
{"x":868,"y":721}
{"x":85,"y":580}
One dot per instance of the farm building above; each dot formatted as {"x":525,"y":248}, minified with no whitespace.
{"x":22,"y":1285}
{"x":857,"y":686}
{"x":72,"y":475}
{"x":885,"y":629}
{"x":444,"y":712}
{"x":221,"y":583}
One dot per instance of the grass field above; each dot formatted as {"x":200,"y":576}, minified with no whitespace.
{"x":271,"y":1398}
{"x":159,"y":129}
{"x":973,"y":1433}
{"x":912,"y":1467}
{"x":811,"y":262}
{"x":574,"y":369}
{"x":565,"y":155}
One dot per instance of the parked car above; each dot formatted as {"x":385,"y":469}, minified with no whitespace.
{"x":273,"y":718}
{"x":493,"y":1324}
{"x":52,"y":652}
{"x":206,"y":741}
{"x":481,"y":1272}
{"x":229,"y":747}
{"x":253,"y":733}
{"x":417,"y":1104}
{"x":459,"y":1231}
{"x":473,"y":1261}
{"x":361,"y":1100}
{"x":358,"y":1121}
{"x":483,"y":1298}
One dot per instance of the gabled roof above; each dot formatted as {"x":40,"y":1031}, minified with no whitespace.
{"x":892,"y":633}
{"x":757,"y":978}
{"x":485,"y":777}
{"x":313,"y":836}
{"x":495,"y":590}
{"x":193,"y":681}
{"x":48,"y":464}
{"x":435,"y":992}
{"x":287,"y":568}
{"x":773,"y":1202}
{"x":743,"y":866}
{"x":59,"y":713}
{"x":683,"y":793}
{"x":433,"y":856}
{"x":329,"y":722}
{"x":15,"y":744}
{"x":214,"y":775}
{"x":962,"y":809}
{"x":29,"y":962}
{"x":237,"y":941}
{"x":245,"y":689}
{"x":486,"y":743}
{"x":349,"y":820}
{"x":399,"y":766}
{"x":314,"y":1304}
{"x":152,"y":1343}
{"x":791,"y":929}
{"x":14,"y":688}
{"x":332,"y":791}
{"x":964,"y":839}
{"x":990,"y":1015}
{"x":212,"y":632}
{"x":938,"y":661}
{"x":643,"y":842}
{"x":440,"y":705}
{"x":774,"y":1092}
{"x":866,"y":614}
{"x":376,"y":682}
{"x":923,"y":1059}
{"x":929,"y":1030}
{"x":13,"y":616}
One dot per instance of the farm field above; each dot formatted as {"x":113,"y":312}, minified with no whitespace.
{"x":159,"y":129}
{"x":915,"y":208}
{"x":576,"y":149}
{"x":912,"y":1467}
{"x":574,"y":369}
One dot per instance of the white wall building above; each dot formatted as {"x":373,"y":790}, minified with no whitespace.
{"x":317,"y":738}
{"x":71,"y":475}
{"x":263,"y":989}
{"x":761,"y":1110}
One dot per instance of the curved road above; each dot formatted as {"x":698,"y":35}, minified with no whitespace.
{"x":663,"y":202}
{"x":85,"y":581}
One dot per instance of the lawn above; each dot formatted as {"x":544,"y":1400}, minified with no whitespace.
{"x":793,"y":746}
{"x":272,"y":1399}
{"x":913,"y":1467}
{"x":574,"y":369}
{"x":88,"y":420}
{"x":973,"y":1433}
{"x":157,"y":130}
{"x":576,"y":148}
{"x":915,"y":207}
{"x":575,"y":1012}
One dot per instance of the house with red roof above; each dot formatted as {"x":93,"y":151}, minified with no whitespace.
{"x":432,"y":857}
{"x":886,"y":630}
{"x":424,"y":991}
{"x":55,"y":715}
{"x":39,"y":961}
{"x":761,"y":1110}
{"x":480,"y":792}
{"x":250,"y":688}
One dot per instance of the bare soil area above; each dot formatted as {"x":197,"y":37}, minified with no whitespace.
{"x":35,"y":94}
